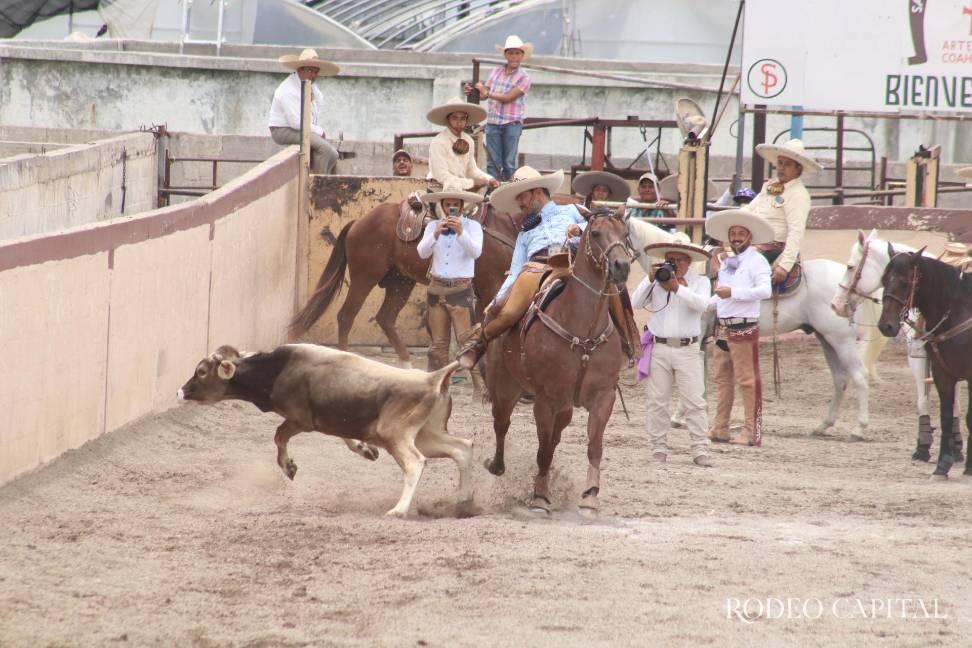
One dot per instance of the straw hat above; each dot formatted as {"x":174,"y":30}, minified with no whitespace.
{"x":717,"y":226}
{"x":689,"y":117}
{"x":792,"y":149}
{"x":514,"y":42}
{"x":956,"y":254}
{"x":585,"y":182}
{"x":440,"y":113}
{"x":965,"y":174}
{"x":309,"y":58}
{"x":668,"y":188}
{"x":524,"y":179}
{"x":682,"y":245}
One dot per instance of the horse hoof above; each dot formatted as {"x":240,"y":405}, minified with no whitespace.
{"x":589,"y":505}
{"x":585,"y":512}
{"x":494,"y":467}
{"x":290,"y":469}
{"x":921,"y":454}
{"x":540,"y":505}
{"x":936,"y":477}
{"x":401,"y":515}
{"x":856,"y":437}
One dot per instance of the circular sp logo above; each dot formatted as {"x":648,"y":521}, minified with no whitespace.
{"x":766,"y":78}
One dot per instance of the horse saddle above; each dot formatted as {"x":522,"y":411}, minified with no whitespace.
{"x":411,"y":222}
{"x":550,"y":289}
{"x":791,"y":283}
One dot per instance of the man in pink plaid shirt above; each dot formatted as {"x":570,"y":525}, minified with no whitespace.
{"x":506,"y":91}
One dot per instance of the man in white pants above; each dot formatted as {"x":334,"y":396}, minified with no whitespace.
{"x":677,"y":297}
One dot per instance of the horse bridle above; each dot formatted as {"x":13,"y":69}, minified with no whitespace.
{"x":906,"y":305}
{"x":601,"y":260}
{"x":858,"y":272}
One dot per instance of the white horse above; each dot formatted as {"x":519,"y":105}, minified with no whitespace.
{"x":861,"y":285}
{"x":809,"y":310}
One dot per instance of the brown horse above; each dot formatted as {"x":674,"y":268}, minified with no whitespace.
{"x":374,"y":256}
{"x":569,"y":356}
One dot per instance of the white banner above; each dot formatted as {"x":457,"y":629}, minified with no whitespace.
{"x":863,"y":55}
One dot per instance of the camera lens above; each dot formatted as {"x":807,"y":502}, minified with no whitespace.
{"x":663,"y":274}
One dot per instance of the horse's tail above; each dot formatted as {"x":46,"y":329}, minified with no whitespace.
{"x":328,"y":286}
{"x":872,"y":342}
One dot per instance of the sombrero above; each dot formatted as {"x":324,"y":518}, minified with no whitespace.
{"x":792,"y":149}
{"x":668,"y":188}
{"x":514,"y":42}
{"x":965,"y":173}
{"x":955,"y":254}
{"x":450,"y":190}
{"x":717,"y":226}
{"x":309,"y":58}
{"x":585,"y":182}
{"x":689,"y":117}
{"x":524,"y":179}
{"x":439,"y":114}
{"x":680,"y":245}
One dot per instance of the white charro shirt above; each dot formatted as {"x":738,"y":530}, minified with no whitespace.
{"x":750,"y":284}
{"x":453,"y":256}
{"x":285,"y":107}
{"x":679,"y":316}
{"x":787,"y":213}
{"x":447,"y":167}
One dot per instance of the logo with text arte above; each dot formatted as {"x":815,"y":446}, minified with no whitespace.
{"x":766,"y":78}
{"x":916,"y":18}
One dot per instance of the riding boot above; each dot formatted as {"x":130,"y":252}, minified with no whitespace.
{"x":925,"y":436}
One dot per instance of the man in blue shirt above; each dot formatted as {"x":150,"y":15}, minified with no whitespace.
{"x":545,"y":225}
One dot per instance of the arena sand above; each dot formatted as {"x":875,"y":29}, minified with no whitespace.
{"x":179,"y":530}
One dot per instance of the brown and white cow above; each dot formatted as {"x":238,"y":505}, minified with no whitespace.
{"x":368,"y":404}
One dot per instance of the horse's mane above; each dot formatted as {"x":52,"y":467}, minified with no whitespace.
{"x":941,"y":283}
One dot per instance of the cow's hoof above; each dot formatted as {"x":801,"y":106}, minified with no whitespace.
{"x":921,"y":454}
{"x":290,"y":469}
{"x":369,"y":452}
{"x":540,"y":505}
{"x":495,"y":467}
{"x":936,"y":477}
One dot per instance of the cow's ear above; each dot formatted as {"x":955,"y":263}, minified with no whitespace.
{"x":226,"y":370}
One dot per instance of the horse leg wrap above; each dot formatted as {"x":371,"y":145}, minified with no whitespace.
{"x":925,"y":430}
{"x":957,"y":440}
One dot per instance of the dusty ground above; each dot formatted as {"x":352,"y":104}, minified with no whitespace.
{"x":180,"y":530}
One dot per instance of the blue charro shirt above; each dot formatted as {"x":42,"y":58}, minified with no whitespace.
{"x":552,"y":230}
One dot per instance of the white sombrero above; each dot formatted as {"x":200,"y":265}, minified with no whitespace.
{"x":514,"y":42}
{"x":717,"y":226}
{"x":682,"y":245}
{"x":451,"y":190}
{"x":689,"y":117}
{"x":792,"y":149}
{"x":439,"y":114}
{"x":524,"y":179}
{"x":309,"y":58}
{"x":668,"y":188}
{"x":585,"y":182}
{"x":965,"y":173}
{"x":955,"y":254}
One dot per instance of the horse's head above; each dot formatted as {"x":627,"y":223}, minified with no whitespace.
{"x":863,"y":275}
{"x":607,"y":246}
{"x":900,"y":281}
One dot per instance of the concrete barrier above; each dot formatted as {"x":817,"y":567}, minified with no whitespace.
{"x":101,"y":324}
{"x":77,"y":184}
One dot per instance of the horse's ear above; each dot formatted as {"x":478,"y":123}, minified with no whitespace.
{"x":891,"y":251}
{"x":860,"y":237}
{"x":873,"y":234}
{"x":919,"y":253}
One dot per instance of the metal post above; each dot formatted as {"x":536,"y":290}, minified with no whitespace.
{"x":214,"y":175}
{"x":475,"y":77}
{"x":839,"y":171}
{"x":303,"y":197}
{"x":759,"y":135}
{"x":740,"y":147}
{"x":219,"y":26}
{"x":597,"y":148}
{"x":185,"y":23}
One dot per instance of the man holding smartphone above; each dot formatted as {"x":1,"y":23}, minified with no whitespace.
{"x":454,"y":242}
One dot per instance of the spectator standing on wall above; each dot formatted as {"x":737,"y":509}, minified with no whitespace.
{"x":506,"y":89}
{"x":401,"y":163}
{"x":285,"y":108}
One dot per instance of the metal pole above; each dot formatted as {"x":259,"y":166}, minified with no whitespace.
{"x":759,"y":134}
{"x":219,"y":26}
{"x":715,"y":109}
{"x":597,"y":148}
{"x":475,"y":77}
{"x":740,"y":148}
{"x":839,"y":171}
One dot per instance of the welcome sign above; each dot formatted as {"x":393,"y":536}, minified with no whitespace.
{"x":863,"y":55}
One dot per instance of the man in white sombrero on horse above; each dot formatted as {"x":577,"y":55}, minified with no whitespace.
{"x":454,"y":242}
{"x":784,"y":203}
{"x":285,"y":109}
{"x":451,"y":158}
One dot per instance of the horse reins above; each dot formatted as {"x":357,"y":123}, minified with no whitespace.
{"x":858,"y":272}
{"x":906,"y":306}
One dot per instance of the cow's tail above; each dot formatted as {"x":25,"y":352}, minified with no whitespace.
{"x":328,"y":286}
{"x":441,"y":379}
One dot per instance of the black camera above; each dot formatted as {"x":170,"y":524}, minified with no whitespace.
{"x":665,"y":272}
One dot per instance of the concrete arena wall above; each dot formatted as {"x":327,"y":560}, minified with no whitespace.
{"x":77,"y":184}
{"x":102,"y":324}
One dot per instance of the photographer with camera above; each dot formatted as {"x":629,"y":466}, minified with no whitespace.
{"x":677,"y":297}
{"x":454,"y":242}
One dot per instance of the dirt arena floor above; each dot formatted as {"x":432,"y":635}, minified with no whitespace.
{"x":181,"y":531}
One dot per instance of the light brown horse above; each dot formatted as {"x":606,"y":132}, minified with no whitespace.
{"x":570,"y":356}
{"x":374,"y":256}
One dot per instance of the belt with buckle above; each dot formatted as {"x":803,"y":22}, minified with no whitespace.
{"x":539,"y":257}
{"x":450,"y":283}
{"x":677,"y":341}
{"x":729,"y":321}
